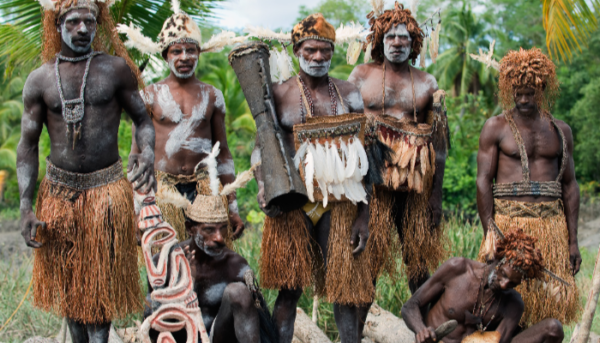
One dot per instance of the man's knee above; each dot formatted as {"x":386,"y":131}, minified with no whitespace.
{"x":238,"y":295}
{"x":553,"y":328}
{"x":290,"y":295}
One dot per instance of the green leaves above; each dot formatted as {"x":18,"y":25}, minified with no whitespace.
{"x":568,"y":24}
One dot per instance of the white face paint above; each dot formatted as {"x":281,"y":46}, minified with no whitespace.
{"x":314,"y":69}
{"x":393,"y":53}
{"x":67,"y":37}
{"x":185,"y":55}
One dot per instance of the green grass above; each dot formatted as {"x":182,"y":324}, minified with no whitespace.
{"x":464,"y":237}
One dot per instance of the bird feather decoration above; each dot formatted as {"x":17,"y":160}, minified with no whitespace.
{"x":175,"y":6}
{"x":423,"y":54}
{"x":240,"y":181}
{"x":48,"y":5}
{"x":434,"y":43}
{"x":309,"y":170}
{"x":137,"y":40}
{"x":413,"y":7}
{"x":368,"y":52}
{"x":487,"y":58}
{"x":350,"y":33}
{"x":353,"y":53}
{"x":210,"y":161}
{"x":170,"y":196}
{"x":378,"y":6}
{"x":281,"y":65}
{"x":264,"y":33}
{"x":300,"y":153}
{"x":217,"y":42}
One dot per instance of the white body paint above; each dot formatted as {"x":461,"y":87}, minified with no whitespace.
{"x":147,"y":97}
{"x":227,"y":167}
{"x":354,"y":100}
{"x":219,"y":101}
{"x":314,"y":69}
{"x":397,"y":31}
{"x":180,"y":138}
{"x":214,"y":293}
{"x":243,"y":271}
{"x":184,"y":55}
{"x":170,"y":109}
{"x":233,"y":207}
{"x":255,"y":157}
{"x":68,"y":38}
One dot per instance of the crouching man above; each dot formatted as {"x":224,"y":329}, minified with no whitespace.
{"x":233,"y":309}
{"x":481,"y":297}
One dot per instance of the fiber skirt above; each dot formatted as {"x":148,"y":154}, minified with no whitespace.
{"x":86,"y":269}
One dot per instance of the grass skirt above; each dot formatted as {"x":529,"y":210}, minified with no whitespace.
{"x":291,"y":259}
{"x":86,"y":269}
{"x":546,"y":222}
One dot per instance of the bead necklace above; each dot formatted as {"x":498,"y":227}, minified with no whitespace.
{"x":74,"y":109}
{"x":482,"y":305}
{"x":308,"y":96}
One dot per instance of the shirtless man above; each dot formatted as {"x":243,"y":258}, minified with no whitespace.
{"x":394,"y":47}
{"x":481,"y":297}
{"x":189,"y":118}
{"x":83,"y":229}
{"x":526,"y":177}
{"x":315,"y":56}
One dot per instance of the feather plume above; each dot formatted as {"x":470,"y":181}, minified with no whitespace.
{"x":300,"y":153}
{"x":48,"y":5}
{"x":413,"y":7}
{"x":362,"y":157}
{"x":407,"y":154}
{"x":337,"y":190}
{"x":397,"y":148}
{"x":424,"y":157}
{"x":329,"y":164}
{"x":351,"y":32}
{"x":240,"y":181}
{"x":353,"y":53}
{"x":210,"y":161}
{"x":320,"y":157}
{"x":281,"y":65}
{"x":309,"y":170}
{"x":219,"y":41}
{"x":339,"y":171}
{"x":169,"y":196}
{"x":318,"y":166}
{"x":368,"y":52}
{"x":352,"y":161}
{"x":377,"y":7}
{"x":175,"y":6}
{"x":436,"y":51}
{"x":264,"y":33}
{"x":137,"y":40}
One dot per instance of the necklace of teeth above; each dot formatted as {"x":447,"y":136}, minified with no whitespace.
{"x":74,"y":109}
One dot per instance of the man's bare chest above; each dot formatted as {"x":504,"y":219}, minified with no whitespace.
{"x":537,"y":143}
{"x":177,"y":107}
{"x":98,"y":89}
{"x":397,"y":97}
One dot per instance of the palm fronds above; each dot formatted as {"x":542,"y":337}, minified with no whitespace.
{"x":568,"y":24}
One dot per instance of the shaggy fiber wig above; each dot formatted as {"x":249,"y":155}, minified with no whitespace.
{"x":107,"y":39}
{"x":383,"y":23}
{"x":519,"y":251}
{"x":528,"y":68}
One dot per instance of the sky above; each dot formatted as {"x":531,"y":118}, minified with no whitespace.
{"x":274,"y":14}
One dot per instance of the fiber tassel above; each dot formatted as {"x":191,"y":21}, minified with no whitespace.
{"x":418,"y":183}
{"x":424,"y":159}
{"x":407,"y":154}
{"x":411,"y":180}
{"x":413,"y":160}
{"x":240,"y":181}
{"x":395,"y":177}
{"x":422,"y":55}
{"x":403,"y":176}
{"x":435,"y":42}
{"x":300,"y":153}
{"x":432,"y":161}
{"x":309,"y":171}
{"x":397,"y":147}
{"x":368,"y":52}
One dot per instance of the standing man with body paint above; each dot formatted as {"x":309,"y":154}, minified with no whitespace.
{"x":391,"y":87}
{"x":286,"y":253}
{"x":85,"y":266}
{"x":189,"y":117}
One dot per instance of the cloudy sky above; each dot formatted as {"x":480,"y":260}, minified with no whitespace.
{"x":236,"y":14}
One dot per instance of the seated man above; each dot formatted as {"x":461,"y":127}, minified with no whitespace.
{"x":481,"y":297}
{"x":233,"y":309}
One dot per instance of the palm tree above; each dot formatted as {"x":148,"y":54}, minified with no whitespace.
{"x":568,"y":24}
{"x":20,"y":34}
{"x":463,"y":33}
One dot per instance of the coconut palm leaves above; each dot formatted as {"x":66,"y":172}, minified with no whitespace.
{"x":11,"y":108}
{"x":568,"y":23}
{"x":20,"y":34}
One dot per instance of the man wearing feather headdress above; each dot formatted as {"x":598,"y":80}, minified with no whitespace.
{"x":233,"y":308}
{"x":85,"y":266}
{"x":400,"y":101}
{"x":188,"y":115}
{"x":526,"y":178}
{"x":482,"y":297}
{"x":339,"y":229}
